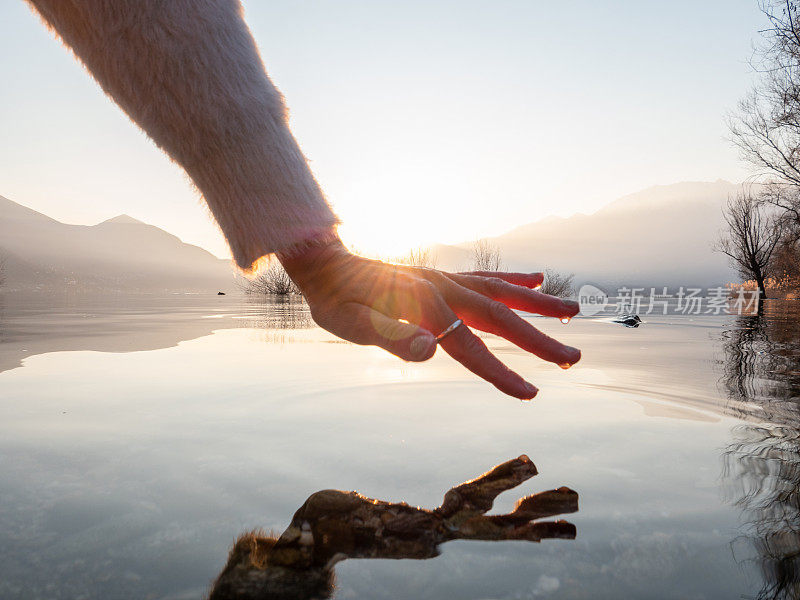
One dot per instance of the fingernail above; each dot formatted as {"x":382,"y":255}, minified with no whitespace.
{"x":572,"y":355}
{"x":421,"y":346}
{"x":532,"y":390}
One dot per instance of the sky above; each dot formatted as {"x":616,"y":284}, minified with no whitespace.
{"x":424,"y":121}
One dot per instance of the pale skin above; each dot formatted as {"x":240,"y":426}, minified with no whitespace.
{"x":402,"y":309}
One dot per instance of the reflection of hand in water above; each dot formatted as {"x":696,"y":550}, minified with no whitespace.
{"x":333,"y":525}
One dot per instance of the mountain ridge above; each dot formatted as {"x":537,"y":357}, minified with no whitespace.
{"x":120,"y":254}
{"x":659,"y":236}
{"x":123,"y":219}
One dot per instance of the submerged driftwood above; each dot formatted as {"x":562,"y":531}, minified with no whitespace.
{"x":333,"y":525}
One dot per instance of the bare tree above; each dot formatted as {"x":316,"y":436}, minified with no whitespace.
{"x":752,"y":235}
{"x":274,"y":281}
{"x":769,"y":141}
{"x":786,"y":261}
{"x":786,"y":198}
{"x":418,"y":257}
{"x":766,"y":125}
{"x":486,"y":256}
{"x":558,"y":284}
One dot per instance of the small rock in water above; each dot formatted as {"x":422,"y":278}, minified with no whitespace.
{"x":220,"y":293}
{"x":628,"y":320}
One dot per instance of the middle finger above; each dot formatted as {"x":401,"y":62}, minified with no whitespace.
{"x":518,"y":297}
{"x":495,"y":317}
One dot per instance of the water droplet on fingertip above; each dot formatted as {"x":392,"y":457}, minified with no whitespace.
{"x":565,"y":366}
{"x":565,"y":320}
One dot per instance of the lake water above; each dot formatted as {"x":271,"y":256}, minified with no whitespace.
{"x":140,"y":436}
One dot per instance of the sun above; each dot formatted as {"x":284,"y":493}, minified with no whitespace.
{"x":399,"y":220}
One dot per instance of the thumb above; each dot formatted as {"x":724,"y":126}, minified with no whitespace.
{"x":363,"y":325}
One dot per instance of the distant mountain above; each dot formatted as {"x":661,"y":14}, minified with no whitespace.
{"x":120,"y":254}
{"x":660,"y":236}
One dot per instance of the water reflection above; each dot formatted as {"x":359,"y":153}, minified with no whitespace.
{"x":42,"y":324}
{"x":278,"y":312}
{"x":333,"y":525}
{"x":762,"y":464}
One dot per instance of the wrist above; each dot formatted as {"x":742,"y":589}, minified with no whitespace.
{"x":303,"y":261}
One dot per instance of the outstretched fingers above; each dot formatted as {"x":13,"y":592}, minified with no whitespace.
{"x":495,"y":317}
{"x":518,"y":296}
{"x":436,"y":316}
{"x":468,"y":349}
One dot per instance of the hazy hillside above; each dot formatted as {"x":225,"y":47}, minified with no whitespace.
{"x":659,"y":236}
{"x":120,"y":254}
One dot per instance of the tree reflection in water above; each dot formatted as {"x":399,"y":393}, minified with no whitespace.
{"x":278,"y":313}
{"x":333,"y":525}
{"x":762,"y":464}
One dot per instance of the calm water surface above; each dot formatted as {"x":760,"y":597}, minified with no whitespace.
{"x":139,"y":437}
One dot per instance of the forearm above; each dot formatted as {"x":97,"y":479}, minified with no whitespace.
{"x":189,"y":74}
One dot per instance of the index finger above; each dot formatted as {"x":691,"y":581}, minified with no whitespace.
{"x":518,"y":297}
{"x":467,"y":348}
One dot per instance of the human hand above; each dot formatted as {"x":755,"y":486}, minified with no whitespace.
{"x":363,"y":301}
